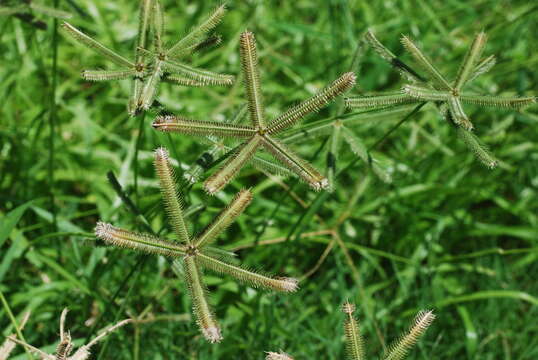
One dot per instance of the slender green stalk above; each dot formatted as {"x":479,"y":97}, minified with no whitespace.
{"x":14,"y":322}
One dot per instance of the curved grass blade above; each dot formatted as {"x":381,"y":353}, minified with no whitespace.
{"x":49,"y":11}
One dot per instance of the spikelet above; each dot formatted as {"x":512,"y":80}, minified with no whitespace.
{"x":231,"y":167}
{"x":277,"y":356}
{"x":204,"y":315}
{"x":458,"y":115}
{"x":315,"y":103}
{"x":481,"y":151}
{"x":201,"y":76}
{"x":497,"y":101}
{"x":370,"y":101}
{"x":354,"y":342}
{"x":136,"y":241}
{"x":401,"y":347}
{"x":227,"y":216}
{"x":249,"y":62}
{"x":483,"y":67}
{"x":302,"y":168}
{"x":183,"y":125}
{"x":425,"y":64}
{"x":425,"y":94}
{"x":107,"y":75}
{"x":284,"y":284}
{"x":471,"y":59}
{"x":171,"y":199}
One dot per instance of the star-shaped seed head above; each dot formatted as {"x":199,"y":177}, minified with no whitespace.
{"x":193,"y":253}
{"x":449,"y":96}
{"x":153,"y":63}
{"x":260,"y":134}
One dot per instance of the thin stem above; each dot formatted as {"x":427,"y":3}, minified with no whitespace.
{"x":135,"y":160}
{"x":14,"y":322}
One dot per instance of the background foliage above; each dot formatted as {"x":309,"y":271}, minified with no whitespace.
{"x":447,"y":234}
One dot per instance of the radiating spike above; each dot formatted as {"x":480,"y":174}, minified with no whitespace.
{"x":107,"y":75}
{"x":96,"y":46}
{"x":204,"y":315}
{"x":136,"y":241}
{"x":475,"y":145}
{"x":483,"y":67}
{"x":249,"y":62}
{"x":401,"y":347}
{"x":247,"y":276}
{"x":269,"y":167}
{"x":425,"y":64}
{"x":232,"y":166}
{"x":498,"y":101}
{"x":299,"y":166}
{"x":354,"y":342}
{"x":316,"y":102}
{"x":202,"y":128}
{"x":158,"y":26}
{"x":151,"y":86}
{"x":370,"y":101}
{"x":171,"y":199}
{"x":227,"y":216}
{"x":204,"y":76}
{"x":426,"y":94}
{"x":469,"y":62}
{"x":32,"y":349}
{"x":199,"y":31}
{"x":183,"y":81}
{"x":458,"y":115}
{"x":404,"y":70}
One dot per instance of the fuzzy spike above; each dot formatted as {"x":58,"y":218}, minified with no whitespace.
{"x":203,"y":76}
{"x":249,"y":62}
{"x":370,"y":101}
{"x":469,"y":62}
{"x":278,"y":356}
{"x":483,"y":67}
{"x":171,"y":199}
{"x":227,"y":216}
{"x":497,"y":101}
{"x":458,"y":115}
{"x":231,"y":167}
{"x":96,"y":46}
{"x":201,"y":128}
{"x":246,"y":276}
{"x":354,"y":342}
{"x":425,"y":64}
{"x":426,"y":94}
{"x":401,"y":347}
{"x":200,"y":31}
{"x":136,"y":241}
{"x":204,"y":315}
{"x":476,"y":146}
{"x":299,"y":166}
{"x":107,"y":75}
{"x":315,"y":103}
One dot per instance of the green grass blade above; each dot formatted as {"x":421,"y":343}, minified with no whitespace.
{"x":49,"y":11}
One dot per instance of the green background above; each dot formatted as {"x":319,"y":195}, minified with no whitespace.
{"x":447,"y":234}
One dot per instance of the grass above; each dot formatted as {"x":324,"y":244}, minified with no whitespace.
{"x":447,"y":233}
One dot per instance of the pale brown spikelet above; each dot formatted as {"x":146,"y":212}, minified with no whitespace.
{"x":277,"y":355}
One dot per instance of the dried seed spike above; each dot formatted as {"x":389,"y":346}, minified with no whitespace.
{"x":292,"y":161}
{"x":498,"y":101}
{"x":480,"y":151}
{"x":249,"y":63}
{"x":277,"y":356}
{"x":425,"y":64}
{"x":84,"y":351}
{"x":199,"y":31}
{"x":284,"y":284}
{"x":136,"y":241}
{"x":204,"y":315}
{"x":458,"y":115}
{"x":227,"y":216}
{"x":8,"y":345}
{"x":43,"y":355}
{"x":471,"y":58}
{"x":107,"y":75}
{"x":401,"y":347}
{"x":171,"y":199}
{"x":404,"y":70}
{"x":231,"y":167}
{"x":315,"y":103}
{"x":204,"y":76}
{"x":370,"y":101}
{"x":201,"y":128}
{"x":482,"y":67}
{"x":354,"y":342}
{"x":96,"y":46}
{"x":426,"y":94}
